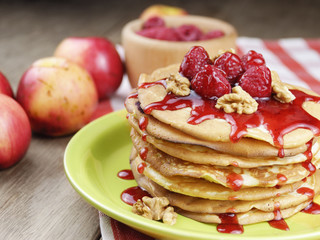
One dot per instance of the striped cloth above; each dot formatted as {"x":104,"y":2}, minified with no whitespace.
{"x":296,"y":60}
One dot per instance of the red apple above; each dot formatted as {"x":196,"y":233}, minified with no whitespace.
{"x":99,"y":57}
{"x":15,"y":130}
{"x":58,"y":96}
{"x":5,"y":87}
{"x":159,"y":10}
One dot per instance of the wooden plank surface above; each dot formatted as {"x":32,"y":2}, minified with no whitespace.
{"x":37,"y":201}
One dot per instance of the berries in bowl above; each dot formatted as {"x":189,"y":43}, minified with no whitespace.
{"x":158,"y":42}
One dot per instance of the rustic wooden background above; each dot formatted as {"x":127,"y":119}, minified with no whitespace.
{"x":37,"y":201}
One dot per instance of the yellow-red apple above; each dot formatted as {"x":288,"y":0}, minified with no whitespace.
{"x":15,"y":130}
{"x":58,"y":96}
{"x":99,"y":57}
{"x":159,"y":10}
{"x":5,"y":87}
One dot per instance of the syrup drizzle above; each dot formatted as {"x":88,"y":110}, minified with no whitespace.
{"x":282,"y":179}
{"x":269,"y":112}
{"x":234,"y":181}
{"x":144,"y":136}
{"x":306,"y":191}
{"x":143,"y":123}
{"x":141,"y":167}
{"x":161,"y":82}
{"x":133,"y":194}
{"x":143,"y":153}
{"x":133,"y":95}
{"x":312,"y":208}
{"x":307,"y":164}
{"x":125,"y":174}
{"x":278,"y":221}
{"x":229,"y":224}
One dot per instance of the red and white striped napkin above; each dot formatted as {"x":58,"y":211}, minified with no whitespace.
{"x":296,"y":60}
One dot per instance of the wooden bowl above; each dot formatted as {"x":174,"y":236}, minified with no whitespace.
{"x":144,"y":55}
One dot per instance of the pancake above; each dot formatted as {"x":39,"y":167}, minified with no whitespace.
{"x":201,"y":205}
{"x":245,"y":147}
{"x":204,"y":155}
{"x":269,"y":176}
{"x":220,"y":129}
{"x":204,"y":189}
{"x":250,"y":217}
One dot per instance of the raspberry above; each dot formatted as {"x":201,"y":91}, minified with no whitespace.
{"x":252,"y":58}
{"x":210,"y":82}
{"x":230,"y":63}
{"x":212,"y":34}
{"x":149,"y":32}
{"x":160,"y":33}
{"x":153,"y":22}
{"x":167,"y":34}
{"x":193,"y":61}
{"x":256,"y":81}
{"x":188,"y":33}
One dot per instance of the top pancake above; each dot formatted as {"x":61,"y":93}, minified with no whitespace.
{"x":214,"y":129}
{"x":246,"y":147}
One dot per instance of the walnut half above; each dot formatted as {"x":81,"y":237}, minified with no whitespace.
{"x":282,"y":93}
{"x":238,"y":101}
{"x":178,"y":85}
{"x":155,"y":208}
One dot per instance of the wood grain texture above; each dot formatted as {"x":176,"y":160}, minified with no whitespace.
{"x":37,"y":201}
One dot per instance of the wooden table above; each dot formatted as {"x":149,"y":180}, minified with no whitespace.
{"x":37,"y":201}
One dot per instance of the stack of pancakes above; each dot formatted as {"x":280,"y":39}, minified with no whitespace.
{"x":204,"y":174}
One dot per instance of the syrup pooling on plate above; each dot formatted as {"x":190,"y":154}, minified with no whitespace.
{"x":133,"y":194}
{"x":125,"y":174}
{"x":292,"y":115}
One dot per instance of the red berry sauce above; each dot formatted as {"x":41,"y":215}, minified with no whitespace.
{"x":308,"y":164}
{"x":282,"y":179}
{"x":229,"y":224}
{"x":133,"y":95}
{"x":125,"y":174}
{"x":132,"y":195}
{"x":234,"y":181}
{"x":312,"y":208}
{"x":141,"y":167}
{"x":143,"y":123}
{"x":143,"y":153}
{"x":306,"y":191}
{"x":278,"y":221}
{"x":269,"y":112}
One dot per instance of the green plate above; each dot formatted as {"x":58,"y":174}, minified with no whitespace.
{"x":100,"y":150}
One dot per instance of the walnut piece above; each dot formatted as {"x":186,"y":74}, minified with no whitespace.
{"x":178,"y":85}
{"x":282,"y":93}
{"x":238,"y":101}
{"x":169,"y":216}
{"x":155,"y":208}
{"x":141,"y":209}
